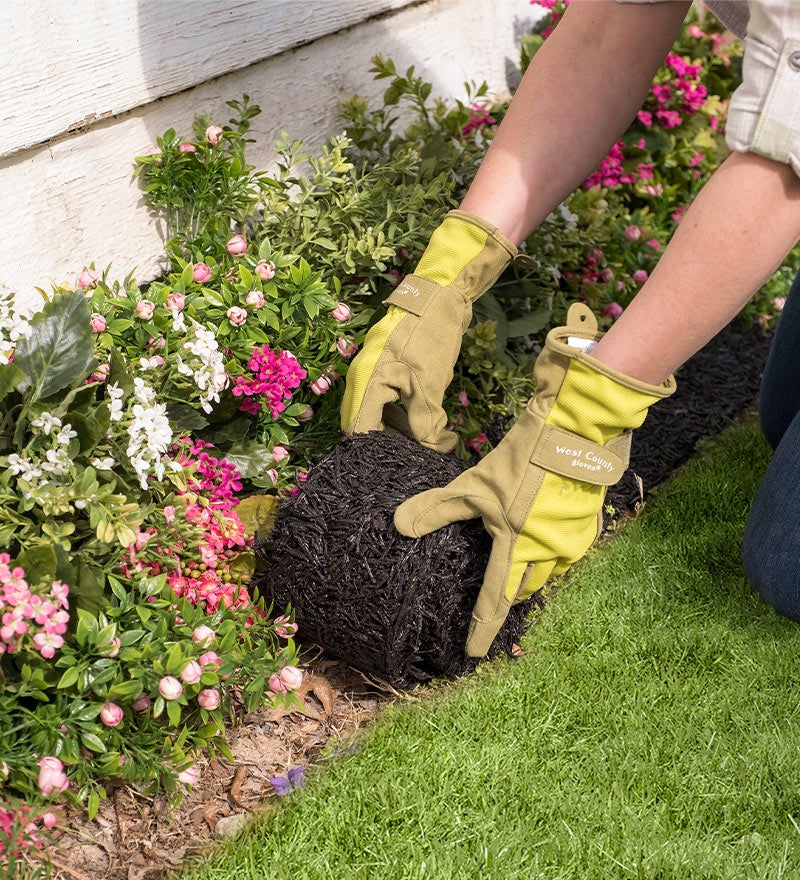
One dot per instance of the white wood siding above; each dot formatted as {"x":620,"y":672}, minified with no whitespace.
{"x":89,"y":84}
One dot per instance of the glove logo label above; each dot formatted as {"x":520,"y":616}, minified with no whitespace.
{"x":407,"y":287}
{"x":589,"y":462}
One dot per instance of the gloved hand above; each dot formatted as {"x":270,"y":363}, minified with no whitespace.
{"x":540,"y":492}
{"x":409,"y":354}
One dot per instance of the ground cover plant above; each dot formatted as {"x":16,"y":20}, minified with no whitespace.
{"x":649,"y":730}
{"x":148,"y":431}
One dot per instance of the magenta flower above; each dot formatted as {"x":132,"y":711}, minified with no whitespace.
{"x":201,"y":273}
{"x":632,"y":233}
{"x":640,"y":276}
{"x":612,"y":310}
{"x":111,"y":715}
{"x":237,"y":245}
{"x":274,"y":375}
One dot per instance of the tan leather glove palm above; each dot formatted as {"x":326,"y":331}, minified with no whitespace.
{"x":410,"y":353}
{"x":540,"y":492}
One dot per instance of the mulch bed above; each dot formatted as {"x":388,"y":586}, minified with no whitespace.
{"x":138,"y":838}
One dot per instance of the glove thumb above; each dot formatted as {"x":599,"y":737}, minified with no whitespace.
{"x":434,"y":509}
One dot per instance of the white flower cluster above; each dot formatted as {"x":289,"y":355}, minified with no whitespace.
{"x":13,"y":326}
{"x":205,"y":366}
{"x":38,"y":471}
{"x":149,"y":433}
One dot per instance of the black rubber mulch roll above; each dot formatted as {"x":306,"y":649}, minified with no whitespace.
{"x":396,"y":608}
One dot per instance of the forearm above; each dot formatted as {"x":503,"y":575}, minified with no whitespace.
{"x":577,"y":98}
{"x":733,"y":237}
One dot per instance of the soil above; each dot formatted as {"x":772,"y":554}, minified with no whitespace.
{"x":135,"y":837}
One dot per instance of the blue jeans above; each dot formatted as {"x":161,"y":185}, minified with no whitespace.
{"x":771,"y":547}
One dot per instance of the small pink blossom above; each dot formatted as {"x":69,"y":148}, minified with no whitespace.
{"x":632,"y":233}
{"x":186,"y":147}
{"x":236,"y":315}
{"x":210,"y":658}
{"x":279,"y":453}
{"x":176,"y":302}
{"x":346,"y":347}
{"x":341,"y":312}
{"x":100,"y":373}
{"x":203,"y":635}
{"x":237,"y":245}
{"x":152,"y":150}
{"x":321,"y":385}
{"x":778,"y":302}
{"x":52,"y":779}
{"x":654,"y":243}
{"x":112,"y":648}
{"x":462,"y":398}
{"x":141,"y":703}
{"x":306,"y":415}
{"x":255,"y":299}
{"x":49,"y":819}
{"x":276,"y":685}
{"x":191,"y":673}
{"x":645,"y":117}
{"x":209,"y":699}
{"x":291,"y":677}
{"x":87,"y":278}
{"x":201,"y":273}
{"x":213,"y":133}
{"x":98,"y":323}
{"x":612,"y":310}
{"x":170,"y":688}
{"x":273,"y":475}
{"x":190,"y":776}
{"x":265,"y":270}
{"x":169,"y":514}
{"x":145,"y":309}
{"x":111,"y":715}
{"x":640,"y":276}
{"x":284,"y":627}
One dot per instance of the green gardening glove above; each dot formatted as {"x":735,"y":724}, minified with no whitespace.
{"x":409,"y":354}
{"x":540,"y":492}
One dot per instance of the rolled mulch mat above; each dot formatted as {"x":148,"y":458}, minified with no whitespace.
{"x":396,"y":608}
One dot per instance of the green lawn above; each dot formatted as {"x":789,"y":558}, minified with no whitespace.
{"x":651,"y":731}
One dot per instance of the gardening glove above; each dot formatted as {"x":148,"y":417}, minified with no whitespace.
{"x":540,"y":492}
{"x":410,"y":353}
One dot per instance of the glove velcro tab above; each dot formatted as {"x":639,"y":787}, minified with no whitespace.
{"x":570,"y":455}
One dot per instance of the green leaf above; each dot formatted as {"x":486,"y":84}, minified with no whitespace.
{"x":39,"y":563}
{"x":530,"y":324}
{"x":87,"y":593}
{"x":10,"y":377}
{"x":93,"y":804}
{"x":125,"y":690}
{"x":92,"y":742}
{"x":58,"y":349}
{"x":251,"y":458}
{"x":174,"y":713}
{"x":69,"y":678}
{"x":185,"y":418}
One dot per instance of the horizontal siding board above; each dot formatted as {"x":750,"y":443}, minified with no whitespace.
{"x":86,"y":60}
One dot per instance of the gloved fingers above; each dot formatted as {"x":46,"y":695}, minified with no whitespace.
{"x":427,"y":419}
{"x":436,"y":508}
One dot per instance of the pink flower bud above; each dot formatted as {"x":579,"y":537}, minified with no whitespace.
{"x":145,"y":309}
{"x":346,"y":347}
{"x":111,"y":715}
{"x":210,"y":658}
{"x":176,"y":302}
{"x":237,"y":315}
{"x":612,"y":310}
{"x":654,"y":243}
{"x":101,"y":373}
{"x":255,"y":299}
{"x":186,"y":147}
{"x":190,"y":776}
{"x":237,"y":245}
{"x":778,"y":302}
{"x":284,"y":627}
{"x":291,"y":677}
{"x":209,"y":699}
{"x":98,"y":323}
{"x":273,"y":475}
{"x":87,"y":278}
{"x":213,"y":133}
{"x":201,"y":273}
{"x":170,"y":688}
{"x":191,"y":672}
{"x":306,"y":415}
{"x":152,"y":150}
{"x":341,"y":312}
{"x":322,"y":384}
{"x":112,"y":649}
{"x":49,"y":819}
{"x":169,"y":514}
{"x":279,"y":453}
{"x":632,"y":233}
{"x":52,"y":779}
{"x":640,"y":276}
{"x":276,"y":685}
{"x":141,"y":703}
{"x":265,"y":270}
{"x":203,"y":636}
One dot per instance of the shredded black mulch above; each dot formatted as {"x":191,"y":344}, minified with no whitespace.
{"x":399,"y":608}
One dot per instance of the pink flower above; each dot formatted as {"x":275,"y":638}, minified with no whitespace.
{"x":49,"y":819}
{"x":632,"y":233}
{"x":98,"y":323}
{"x":645,"y":117}
{"x":306,"y":415}
{"x":462,"y":398}
{"x":152,"y":150}
{"x":778,"y":302}
{"x":141,"y":703}
{"x":111,"y":715}
{"x":612,"y":310}
{"x":341,"y":312}
{"x":694,"y":32}
{"x":169,"y":514}
{"x":186,"y":147}
{"x":346,"y":347}
{"x":203,"y":635}
{"x":276,"y":685}
{"x":170,"y":688}
{"x":291,"y":677}
{"x":209,"y":699}
{"x":213,"y":133}
{"x":279,"y":453}
{"x":654,"y":243}
{"x":237,"y":245}
{"x":284,"y":627}
{"x":145,"y":309}
{"x":176,"y":302}
{"x":52,"y":779}
{"x":190,"y":776}
{"x":210,"y":658}
{"x":201,"y":273}
{"x":236,"y":315}
{"x":101,"y":373}
{"x":255,"y":299}
{"x":640,"y":276}
{"x":265,"y":270}
{"x":273,"y":475}
{"x":191,"y":672}
{"x":112,"y":649}
{"x":321,"y":386}
{"x":87,"y":278}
